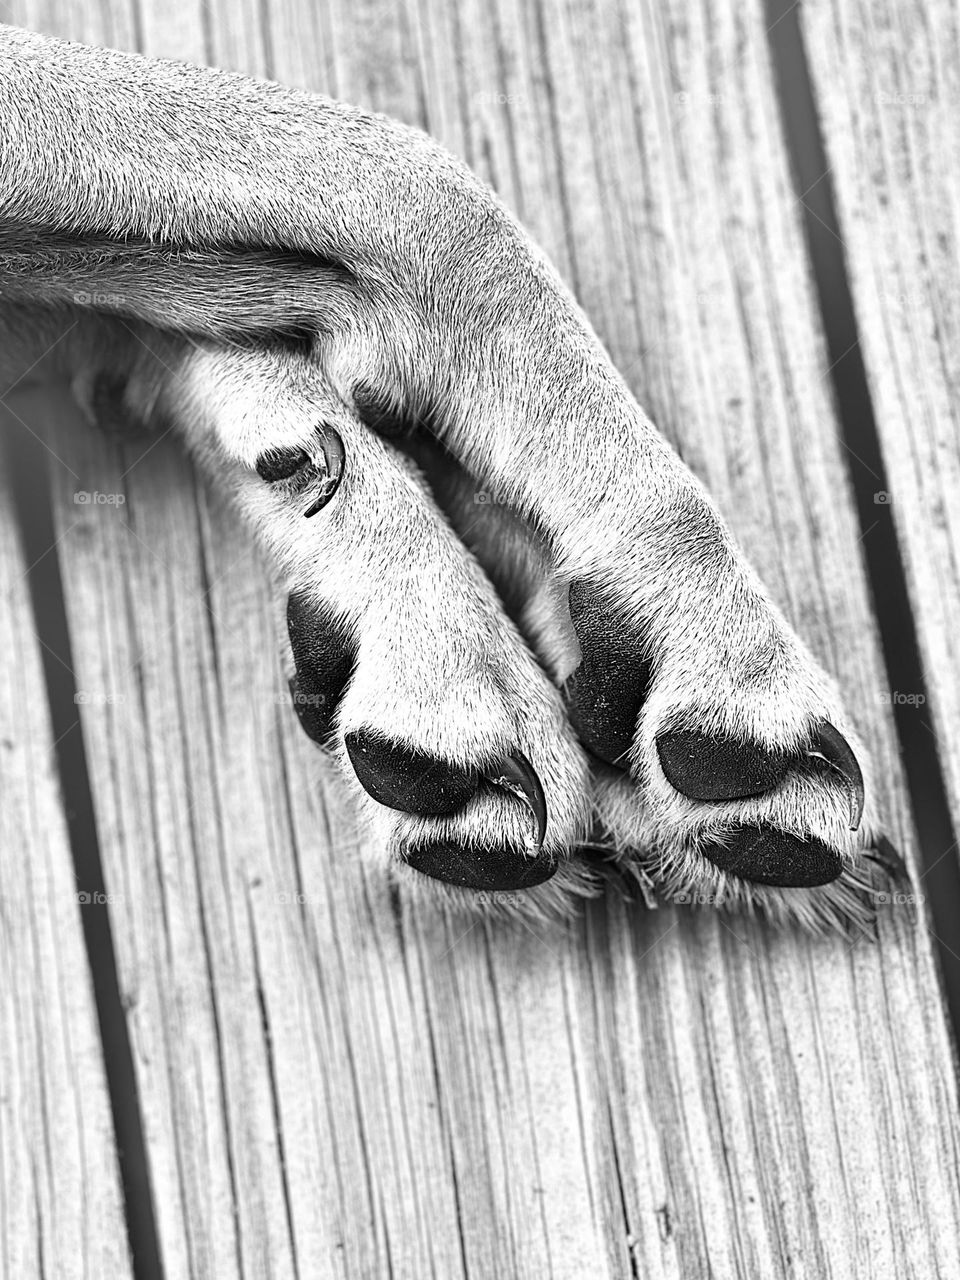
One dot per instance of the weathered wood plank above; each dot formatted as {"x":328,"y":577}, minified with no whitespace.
{"x":363,"y":1093}
{"x":282,"y":1055}
{"x":61,"y":1210}
{"x":893,"y":144}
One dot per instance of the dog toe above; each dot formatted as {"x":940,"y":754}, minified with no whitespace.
{"x":449,"y":734}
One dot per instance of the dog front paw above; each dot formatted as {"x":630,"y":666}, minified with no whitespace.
{"x":406,"y":670}
{"x":725,"y":768}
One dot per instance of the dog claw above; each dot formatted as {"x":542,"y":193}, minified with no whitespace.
{"x":830,"y":746}
{"x":334,"y":457}
{"x":517,"y":775}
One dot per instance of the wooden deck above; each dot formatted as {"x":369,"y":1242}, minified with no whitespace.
{"x":238,"y":1054}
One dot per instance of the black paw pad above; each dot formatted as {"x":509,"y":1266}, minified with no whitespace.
{"x":324,"y":655}
{"x":768,"y":856}
{"x":705,"y":767}
{"x":605,"y":693}
{"x":473,"y":867}
{"x":281,"y":464}
{"x":401,"y":777}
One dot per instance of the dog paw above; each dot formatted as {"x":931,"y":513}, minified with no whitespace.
{"x":725,"y":770}
{"x":406,"y":671}
{"x":740,"y":763}
{"x":672,"y":720}
{"x":720,"y":753}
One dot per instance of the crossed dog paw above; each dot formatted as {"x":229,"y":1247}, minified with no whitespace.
{"x":521,"y":694}
{"x":354,"y":334}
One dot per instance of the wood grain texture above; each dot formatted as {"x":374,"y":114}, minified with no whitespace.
{"x":338,"y":1084}
{"x":60,"y":1204}
{"x":893,"y":144}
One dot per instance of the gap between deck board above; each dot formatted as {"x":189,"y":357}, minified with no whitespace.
{"x":881,"y":547}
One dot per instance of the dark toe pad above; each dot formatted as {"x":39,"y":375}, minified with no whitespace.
{"x":711,"y":768}
{"x":604,"y":694}
{"x":472,"y":867}
{"x":402,"y":777}
{"x":767,"y":856}
{"x":281,"y":464}
{"x":323,"y":654}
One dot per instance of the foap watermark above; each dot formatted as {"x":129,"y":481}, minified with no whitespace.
{"x":899,"y":98}
{"x":484,"y":498}
{"x":301,"y":699}
{"x":882,"y":498}
{"x":895,"y":698}
{"x":98,"y":698}
{"x":900,"y":298}
{"x":84,"y":299}
{"x":94,"y":898}
{"x":84,"y":498}
{"x":296,"y":898}
{"x":498,"y":898}
{"x":889,"y":898}
{"x":498,"y":98}
{"x":690,"y":899}
{"x":687,"y":99}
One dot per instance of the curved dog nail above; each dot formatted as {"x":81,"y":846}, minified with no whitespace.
{"x":403,"y":777}
{"x":767,"y":856}
{"x":335,"y":460}
{"x":323,"y":654}
{"x":886,"y":856}
{"x":280,"y":464}
{"x":830,"y":746}
{"x":517,"y":775}
{"x":472,"y":867}
{"x":604,"y":694}
{"x":706,"y":767}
